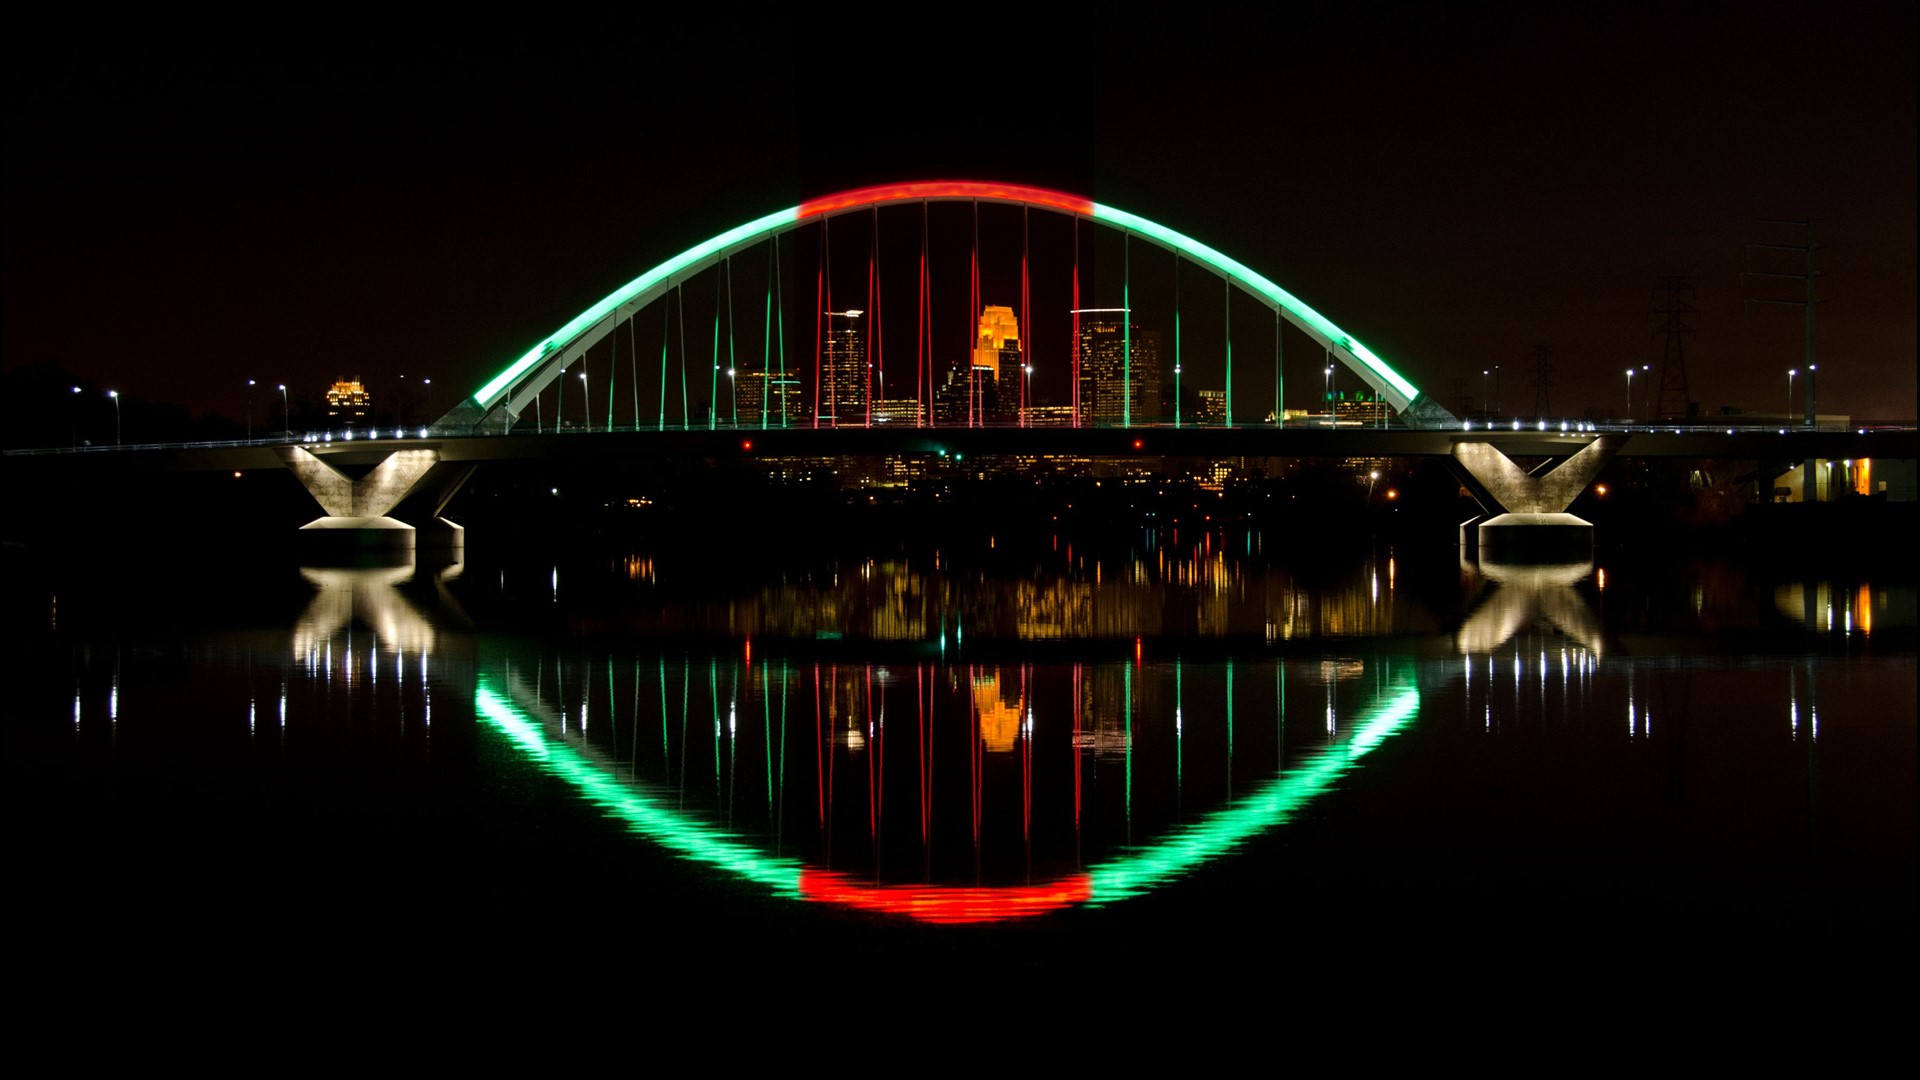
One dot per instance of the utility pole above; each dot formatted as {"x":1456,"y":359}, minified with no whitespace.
{"x":1806,"y":303}
{"x":1675,"y":399}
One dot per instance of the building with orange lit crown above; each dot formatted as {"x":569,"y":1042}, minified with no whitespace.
{"x":349,"y":398}
{"x":994,"y":363}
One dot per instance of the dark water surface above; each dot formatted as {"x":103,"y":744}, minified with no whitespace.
{"x":1193,"y":758}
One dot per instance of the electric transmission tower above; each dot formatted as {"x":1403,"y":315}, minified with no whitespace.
{"x":1675,"y":401}
{"x":1542,"y":379}
{"x":1806,"y":303}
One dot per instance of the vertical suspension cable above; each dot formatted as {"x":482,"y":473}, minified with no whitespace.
{"x":733,"y":356}
{"x":819,"y":315}
{"x":613,"y":371}
{"x":766,"y":344}
{"x":974,"y":418}
{"x":1126,"y":329}
{"x":1279,"y":412}
{"x":1076,"y":320}
{"x":780,"y":336}
{"x":685,"y":408}
{"x":872,"y":240}
{"x":922,"y":343}
{"x":666,"y":334}
{"x":713,"y":379}
{"x":879,"y":339}
{"x":1026,"y":313}
{"x":1227,"y":283}
{"x":633,"y":367}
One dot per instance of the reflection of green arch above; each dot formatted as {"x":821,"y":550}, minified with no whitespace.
{"x":517,"y":384}
{"x":1133,"y":874}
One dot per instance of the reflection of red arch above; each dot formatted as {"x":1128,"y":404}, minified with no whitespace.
{"x":946,"y":904}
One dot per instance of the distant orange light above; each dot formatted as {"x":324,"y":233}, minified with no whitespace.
{"x":1600,"y":489}
{"x":236,"y":474}
{"x":1137,"y":444}
{"x":1392,"y":494}
{"x":746,"y":444}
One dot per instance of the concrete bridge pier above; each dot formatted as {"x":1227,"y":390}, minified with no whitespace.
{"x":1526,"y":519}
{"x":360,"y":519}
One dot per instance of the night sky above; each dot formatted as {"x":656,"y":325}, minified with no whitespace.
{"x":1455,"y":190}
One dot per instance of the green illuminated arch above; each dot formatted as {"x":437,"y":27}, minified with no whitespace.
{"x":522,"y":379}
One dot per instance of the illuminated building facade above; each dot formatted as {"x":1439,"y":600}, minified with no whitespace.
{"x":779,"y":395}
{"x":348,"y":398}
{"x":904,"y":412}
{"x":1213,"y":407}
{"x":844,"y":385}
{"x":1119,"y":370}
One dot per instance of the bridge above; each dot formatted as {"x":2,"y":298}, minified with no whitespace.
{"x":1124,"y":325}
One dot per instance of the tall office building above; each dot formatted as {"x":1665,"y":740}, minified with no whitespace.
{"x":844,"y":383}
{"x":994,"y":396}
{"x":778,"y":395}
{"x":1119,"y":369}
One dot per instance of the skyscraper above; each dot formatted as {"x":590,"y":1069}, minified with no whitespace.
{"x":844,"y":384}
{"x":1119,"y":369}
{"x":996,"y":359}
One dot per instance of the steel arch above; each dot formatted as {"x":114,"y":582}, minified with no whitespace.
{"x":534,"y":370}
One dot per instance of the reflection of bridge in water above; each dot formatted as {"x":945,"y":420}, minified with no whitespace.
{"x":961,"y":789}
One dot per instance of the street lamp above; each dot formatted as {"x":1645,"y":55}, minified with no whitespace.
{"x":1373,"y":478}
{"x":732,"y":392}
{"x":1026,"y":393}
{"x":587,"y":398}
{"x":249,"y":410}
{"x":1486,"y":400}
{"x":76,"y":416}
{"x":1328,"y":391}
{"x":1791,"y":372}
{"x":286,"y":411}
{"x":430,"y":416}
{"x":1629,"y":395}
{"x":1176,"y":395}
{"x":115,"y":395}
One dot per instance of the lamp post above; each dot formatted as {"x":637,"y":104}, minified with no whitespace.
{"x":286,"y":411}
{"x":1026,"y":394}
{"x":430,"y":416}
{"x":115,"y":395}
{"x":1327,"y":391}
{"x":1629,"y":395}
{"x":733,"y":394}
{"x":1486,"y":399}
{"x":1791,"y":372}
{"x":1176,"y":395}
{"x":1644,"y":369}
{"x":1812,"y":395}
{"x":249,"y":410}
{"x":586,"y":398}
{"x":76,"y":416}
{"x":1373,"y":478}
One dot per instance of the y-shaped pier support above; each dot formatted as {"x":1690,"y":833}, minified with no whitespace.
{"x":1533,"y":521}
{"x":357,"y":510}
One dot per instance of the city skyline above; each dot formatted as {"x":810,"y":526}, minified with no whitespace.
{"x":1529,"y":184}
